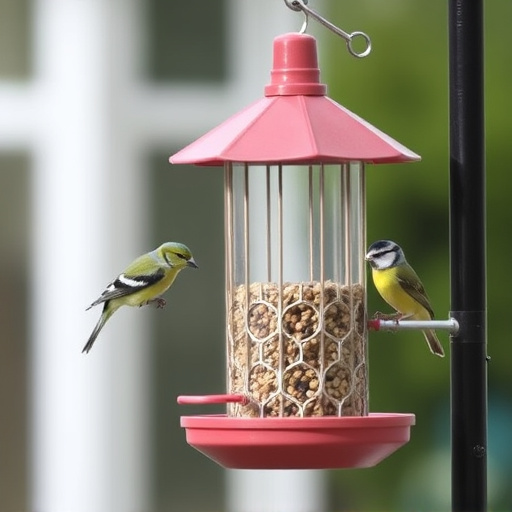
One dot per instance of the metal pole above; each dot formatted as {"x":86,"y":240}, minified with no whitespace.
{"x":468,"y":273}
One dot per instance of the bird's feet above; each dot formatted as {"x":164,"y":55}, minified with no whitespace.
{"x":385,"y":316}
{"x":158,"y":302}
{"x":395,"y":317}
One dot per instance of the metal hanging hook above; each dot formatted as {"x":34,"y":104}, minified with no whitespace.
{"x":301,"y":5}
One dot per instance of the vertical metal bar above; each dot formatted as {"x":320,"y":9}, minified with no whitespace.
{"x":345,"y":183}
{"x":280,"y":225}
{"x":361,"y":236}
{"x":321,"y":224}
{"x":337,"y":235}
{"x":228,"y":229}
{"x":349,"y":204}
{"x":246,"y":229}
{"x":361,"y":247}
{"x":247,"y":266}
{"x":322,"y":230}
{"x":269,"y":226}
{"x":280,"y":281}
{"x":311,"y":230}
{"x":467,"y":243}
{"x":228,"y":247}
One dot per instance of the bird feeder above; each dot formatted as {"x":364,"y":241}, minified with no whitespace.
{"x":297,"y":367}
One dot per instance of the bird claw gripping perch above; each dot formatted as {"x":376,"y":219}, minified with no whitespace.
{"x":387,"y":316}
{"x":378,"y":318}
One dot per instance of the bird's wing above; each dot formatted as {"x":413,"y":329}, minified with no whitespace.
{"x":412,"y":285}
{"x":126,"y":284}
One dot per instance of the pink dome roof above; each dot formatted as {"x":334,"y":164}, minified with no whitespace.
{"x":295,"y":122}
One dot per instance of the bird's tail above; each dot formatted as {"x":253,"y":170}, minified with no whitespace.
{"x":105,"y":315}
{"x":433,"y":343}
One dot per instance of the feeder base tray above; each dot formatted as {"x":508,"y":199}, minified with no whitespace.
{"x":326,"y":442}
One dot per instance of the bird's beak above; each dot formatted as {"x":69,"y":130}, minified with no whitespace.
{"x":192,"y":263}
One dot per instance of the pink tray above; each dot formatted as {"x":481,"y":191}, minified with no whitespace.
{"x":298,"y":443}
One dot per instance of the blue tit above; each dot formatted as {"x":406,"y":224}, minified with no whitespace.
{"x":401,"y":288}
{"x":142,"y":282}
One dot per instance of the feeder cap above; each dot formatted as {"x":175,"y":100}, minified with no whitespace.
{"x":295,"y":68}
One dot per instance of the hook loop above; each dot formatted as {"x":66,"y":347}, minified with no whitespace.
{"x":367,"y":42}
{"x":301,"y":5}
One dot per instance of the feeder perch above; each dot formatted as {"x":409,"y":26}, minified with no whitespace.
{"x":295,"y":243}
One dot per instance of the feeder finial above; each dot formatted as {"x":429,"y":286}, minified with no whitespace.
{"x":295,"y":68}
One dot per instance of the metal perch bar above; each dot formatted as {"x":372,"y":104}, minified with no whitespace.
{"x":377,"y":324}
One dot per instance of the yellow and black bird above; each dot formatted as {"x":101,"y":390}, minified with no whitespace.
{"x":142,"y":282}
{"x":401,"y":288}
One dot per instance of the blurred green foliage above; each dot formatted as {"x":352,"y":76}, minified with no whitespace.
{"x":402,"y":88}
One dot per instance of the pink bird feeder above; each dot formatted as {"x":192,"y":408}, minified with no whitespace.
{"x":295,"y":230}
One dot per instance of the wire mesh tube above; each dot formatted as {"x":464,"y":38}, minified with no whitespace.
{"x":295,"y":290}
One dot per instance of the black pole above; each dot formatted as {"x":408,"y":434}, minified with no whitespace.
{"x":468,"y":249}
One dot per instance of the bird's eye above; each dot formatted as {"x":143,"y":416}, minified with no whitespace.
{"x":181,"y":256}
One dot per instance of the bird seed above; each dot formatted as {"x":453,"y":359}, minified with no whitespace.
{"x":299,"y":351}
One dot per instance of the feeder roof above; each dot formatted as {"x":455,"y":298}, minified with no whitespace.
{"x":295,"y":122}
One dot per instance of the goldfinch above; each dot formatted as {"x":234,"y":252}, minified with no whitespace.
{"x":401,"y":288}
{"x":142,"y":282}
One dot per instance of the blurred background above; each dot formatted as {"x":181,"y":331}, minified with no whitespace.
{"x":94,"y":97}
